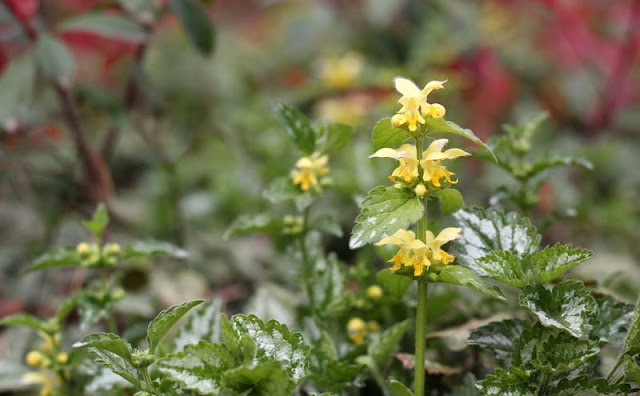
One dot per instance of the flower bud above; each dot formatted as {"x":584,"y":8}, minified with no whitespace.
{"x":83,"y":249}
{"x":397,"y":120}
{"x":34,"y":358}
{"x":420,"y":190}
{"x":62,"y":358}
{"x":357,"y":330}
{"x":374,"y":292}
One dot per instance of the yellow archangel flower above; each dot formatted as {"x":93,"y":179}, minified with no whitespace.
{"x":414,"y":103}
{"x":309,"y":170}
{"x":407,"y":171}
{"x":431,"y":162}
{"x":341,"y":72}
{"x":48,"y":381}
{"x":417,"y":254}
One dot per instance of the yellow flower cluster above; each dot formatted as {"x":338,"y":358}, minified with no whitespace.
{"x":417,"y":254}
{"x":414,"y":103}
{"x":431,"y":163}
{"x":47,"y":357}
{"x":358,"y":329}
{"x":309,"y":170}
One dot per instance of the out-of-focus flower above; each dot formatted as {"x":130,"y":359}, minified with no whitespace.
{"x":357,"y":330}
{"x":309,"y":170}
{"x":347,"y":110}
{"x":374,"y":292}
{"x":340,"y":73}
{"x":48,"y":381}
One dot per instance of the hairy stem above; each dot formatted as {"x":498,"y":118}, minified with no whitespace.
{"x":421,"y":314}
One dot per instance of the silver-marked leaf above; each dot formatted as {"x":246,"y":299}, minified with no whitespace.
{"x":554,"y":352}
{"x":165,"y":320}
{"x":58,"y":257}
{"x":273,"y":341}
{"x":435,"y":125}
{"x":484,"y":231}
{"x":105,"y":25}
{"x":384,"y":345}
{"x":505,"y":267}
{"x":450,"y":200}
{"x":395,"y":285}
{"x":462,"y":276}
{"x":260,"y":222}
{"x":298,"y":128}
{"x":112,"y":352}
{"x":263,"y":379}
{"x":385,"y":135}
{"x":384,"y":211}
{"x":199,"y":367}
{"x":515,"y":382}
{"x":582,"y":386}
{"x":551,"y":262}
{"x":568,"y":306}
{"x":329,"y":282}
{"x":153,"y":248}
{"x":204,"y":324}
{"x":613,"y":319}
{"x":632,"y":341}
{"x":499,"y":337}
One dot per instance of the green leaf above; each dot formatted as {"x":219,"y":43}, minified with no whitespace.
{"x":196,"y":23}
{"x":337,"y":375}
{"x":632,"y":341}
{"x":393,"y":284}
{"x":551,"y":262}
{"x":54,"y":58}
{"x":485,"y":231}
{"x":106,"y":25}
{"x":264,"y":379}
{"x":17,"y":84}
{"x":462,"y":276}
{"x":554,"y":352}
{"x":540,"y":166}
{"x":450,"y":200}
{"x":612,"y":321}
{"x":435,"y":125}
{"x":273,"y":341}
{"x":65,"y":309}
{"x":257,"y":223}
{"x":23,"y":319}
{"x":499,"y":337}
{"x":298,"y":128}
{"x":397,"y":388}
{"x":581,"y":386}
{"x":92,"y":308}
{"x":505,"y":267}
{"x":336,"y":137}
{"x":385,"y":135}
{"x":11,"y":376}
{"x":204,"y":324}
{"x":59,"y":257}
{"x":632,"y":368}
{"x":199,"y":367}
{"x":515,"y":382}
{"x":165,"y":320}
{"x":153,"y":248}
{"x":326,"y":224}
{"x":283,"y":189}
{"x":384,"y":211}
{"x":568,"y":306}
{"x":468,"y":387}
{"x":329,"y":283}
{"x":383,"y":346}
{"x":112,"y":352}
{"x":98,"y":221}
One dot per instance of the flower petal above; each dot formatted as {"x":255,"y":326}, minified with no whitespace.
{"x":406,"y":87}
{"x":448,"y":234}
{"x":433,"y":85}
{"x":435,"y":147}
{"x":455,"y":153}
{"x":385,"y":153}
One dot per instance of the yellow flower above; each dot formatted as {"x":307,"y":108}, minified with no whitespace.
{"x":407,"y":242}
{"x":431,"y":159}
{"x":406,"y":155}
{"x":62,"y":358}
{"x":374,"y":292}
{"x":83,"y":249}
{"x":357,"y":330}
{"x":342,"y":72}
{"x":48,"y":382}
{"x":417,"y":254}
{"x":414,"y":103}
{"x":34,"y":358}
{"x":309,"y":169}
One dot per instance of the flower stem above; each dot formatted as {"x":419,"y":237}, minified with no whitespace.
{"x":421,"y":314}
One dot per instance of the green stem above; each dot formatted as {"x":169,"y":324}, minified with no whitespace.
{"x":306,"y":264}
{"x":615,"y":366}
{"x":421,"y":314}
{"x":111,"y":322}
{"x":144,"y":373}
